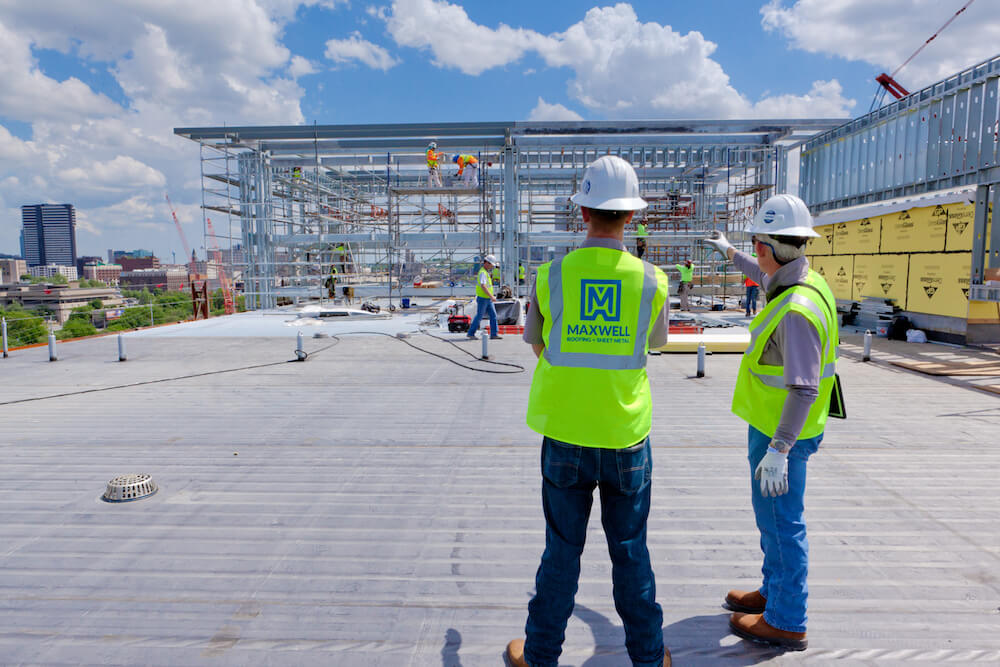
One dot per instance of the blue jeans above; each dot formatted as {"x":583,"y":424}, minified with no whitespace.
{"x":783,"y":535}
{"x":484,"y":305}
{"x":751,"y":300}
{"x":569,"y":475}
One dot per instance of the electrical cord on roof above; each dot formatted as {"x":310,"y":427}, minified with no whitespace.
{"x":145,"y":382}
{"x":278,"y":363}
{"x":520,"y":369}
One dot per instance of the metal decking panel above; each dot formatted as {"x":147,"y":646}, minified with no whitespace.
{"x":383,"y":509}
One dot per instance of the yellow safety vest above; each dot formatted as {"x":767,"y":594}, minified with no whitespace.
{"x":686,"y":272}
{"x":760,"y":393}
{"x":590,"y":386}
{"x":640,"y":231}
{"x":479,"y":283}
{"x":496,"y":275}
{"x":520,"y":273}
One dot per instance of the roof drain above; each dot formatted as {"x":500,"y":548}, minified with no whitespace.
{"x":125,"y":488}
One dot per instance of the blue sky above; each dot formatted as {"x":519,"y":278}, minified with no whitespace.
{"x":90,"y":92}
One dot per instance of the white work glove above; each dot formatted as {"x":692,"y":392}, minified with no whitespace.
{"x":772,"y":471}
{"x":720,"y":243}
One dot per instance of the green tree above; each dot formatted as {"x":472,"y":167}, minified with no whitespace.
{"x":95,"y":304}
{"x":24,"y":327}
{"x":58,"y":279}
{"x":79,"y":324}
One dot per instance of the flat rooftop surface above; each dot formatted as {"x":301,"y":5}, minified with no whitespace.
{"x":376,"y":505}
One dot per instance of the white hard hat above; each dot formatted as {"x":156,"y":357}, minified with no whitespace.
{"x":610,"y":184}
{"x":432,"y":145}
{"x":783,"y":215}
{"x":492,"y":259}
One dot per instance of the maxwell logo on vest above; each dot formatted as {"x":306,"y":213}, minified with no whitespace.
{"x":601,"y":298}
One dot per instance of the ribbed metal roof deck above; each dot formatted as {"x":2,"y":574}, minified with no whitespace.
{"x":378,"y":506}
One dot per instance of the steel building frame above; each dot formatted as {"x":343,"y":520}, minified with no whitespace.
{"x":356,"y":196}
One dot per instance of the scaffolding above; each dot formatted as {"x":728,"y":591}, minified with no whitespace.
{"x":299,"y":200}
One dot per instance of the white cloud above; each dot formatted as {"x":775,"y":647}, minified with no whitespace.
{"x":453,"y":39}
{"x":545,"y":111}
{"x":887,"y":32}
{"x":174,"y":68}
{"x":361,"y":50}
{"x":824,"y":100}
{"x":301,"y":67}
{"x":26,"y":94}
{"x":621,"y":66}
{"x":122,"y":174}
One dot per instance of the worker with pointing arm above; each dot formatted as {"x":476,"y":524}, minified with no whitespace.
{"x":783,"y":392}
{"x":593,"y":315}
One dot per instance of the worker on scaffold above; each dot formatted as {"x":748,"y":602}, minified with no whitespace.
{"x":468,"y":170}
{"x":433,"y":167}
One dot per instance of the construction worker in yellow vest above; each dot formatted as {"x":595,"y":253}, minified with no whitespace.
{"x":485,"y":298}
{"x":468,"y":170}
{"x":593,"y":316}
{"x":433,"y":167}
{"x":495,"y":275}
{"x":331,"y":282}
{"x":520,"y":274}
{"x":640,"y":239}
{"x":684,"y":288}
{"x":783,"y":392}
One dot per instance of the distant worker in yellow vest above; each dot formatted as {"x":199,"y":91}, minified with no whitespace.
{"x":485,"y":298}
{"x":783,"y":392}
{"x":520,"y":274}
{"x":640,"y":239}
{"x":495,"y":275}
{"x":684,"y":288}
{"x":594,"y":315}
{"x":433,"y":166}
{"x":468,"y":170}
{"x":331,"y":282}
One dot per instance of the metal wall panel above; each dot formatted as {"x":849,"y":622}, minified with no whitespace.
{"x":936,"y":138}
{"x":974,"y":127}
{"x":960,"y":116}
{"x":988,"y":133}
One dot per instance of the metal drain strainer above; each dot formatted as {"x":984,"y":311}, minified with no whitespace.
{"x":134,"y":486}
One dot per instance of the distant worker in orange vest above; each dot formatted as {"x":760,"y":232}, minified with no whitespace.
{"x":468,"y":170}
{"x":433,"y":168}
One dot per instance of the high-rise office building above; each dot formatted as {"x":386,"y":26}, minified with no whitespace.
{"x":49,"y":232}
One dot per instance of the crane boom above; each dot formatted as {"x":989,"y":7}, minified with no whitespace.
{"x":187,"y":249}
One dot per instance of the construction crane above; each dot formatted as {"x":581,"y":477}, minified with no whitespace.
{"x":227,"y":294}
{"x":192,"y":269}
{"x":888,"y":82}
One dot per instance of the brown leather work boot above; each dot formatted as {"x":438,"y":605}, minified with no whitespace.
{"x":749,"y":602}
{"x":756,"y":629}
{"x":515,"y":653}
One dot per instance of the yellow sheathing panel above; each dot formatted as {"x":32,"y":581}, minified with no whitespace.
{"x":839,"y":273}
{"x":882,"y":277}
{"x":858,"y":236}
{"x":915,"y":230}
{"x":960,"y":218}
{"x":939,"y":284}
{"x":983,"y":312}
{"x":961,"y":224}
{"x":737,"y":343}
{"x":822,"y":245}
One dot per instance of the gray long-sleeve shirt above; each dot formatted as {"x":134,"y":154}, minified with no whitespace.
{"x":795,"y":345}
{"x":534,"y":321}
